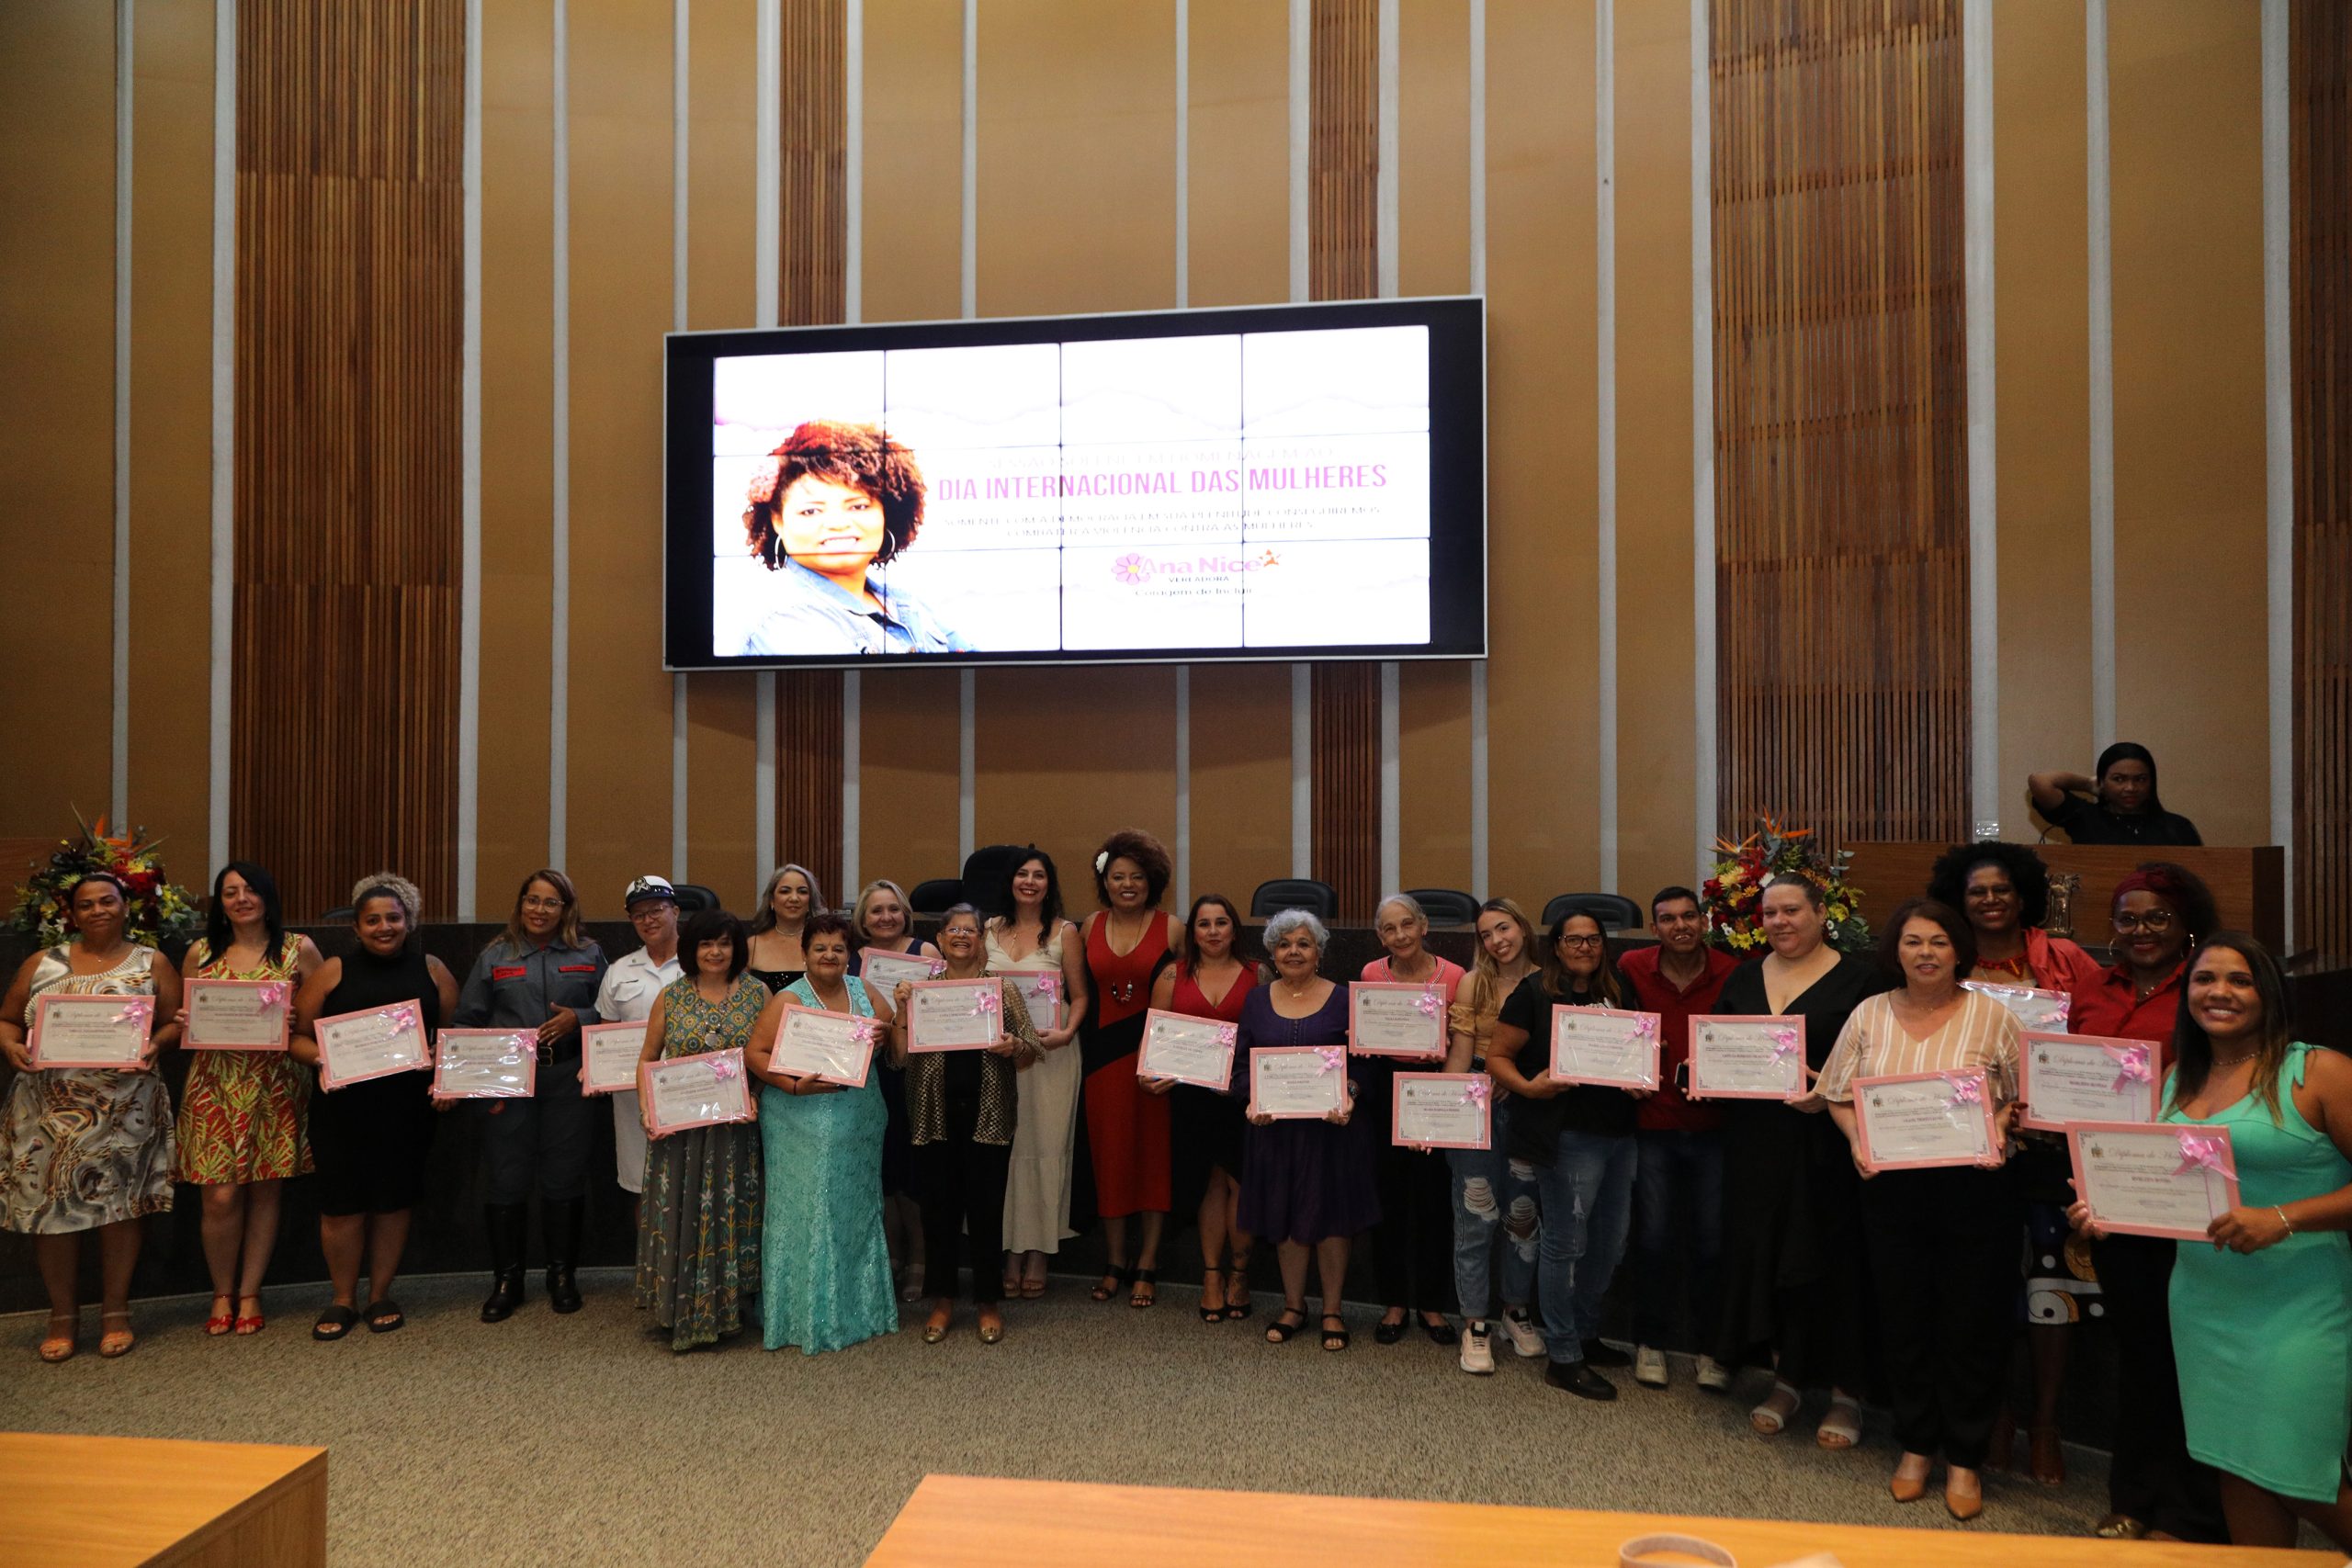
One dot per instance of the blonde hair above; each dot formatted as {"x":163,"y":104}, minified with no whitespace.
{"x":1484,"y":990}
{"x":864,"y":896}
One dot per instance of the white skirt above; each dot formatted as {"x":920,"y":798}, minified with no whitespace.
{"x":1037,"y":1189}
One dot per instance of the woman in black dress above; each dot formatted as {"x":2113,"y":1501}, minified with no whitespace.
{"x":1793,"y":1251}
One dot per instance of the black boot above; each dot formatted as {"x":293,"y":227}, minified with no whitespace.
{"x":560,"y":1218}
{"x":505,"y":1224}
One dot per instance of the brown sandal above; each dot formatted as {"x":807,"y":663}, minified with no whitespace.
{"x":61,"y":1347}
{"x":114,"y":1342}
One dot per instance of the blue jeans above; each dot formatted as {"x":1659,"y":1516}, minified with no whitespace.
{"x":1489,"y":1189}
{"x":1588,"y":1193}
{"x":1681,"y":1172}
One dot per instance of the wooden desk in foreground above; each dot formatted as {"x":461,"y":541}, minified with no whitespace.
{"x":80,"y":1502}
{"x":957,"y":1521}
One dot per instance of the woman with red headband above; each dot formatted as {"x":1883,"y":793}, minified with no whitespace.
{"x":2159,"y":912}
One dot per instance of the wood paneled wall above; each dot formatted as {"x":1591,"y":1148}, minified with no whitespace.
{"x":1346,"y":783}
{"x":350,"y":315}
{"x":1840,"y":416}
{"x":2320,"y":262}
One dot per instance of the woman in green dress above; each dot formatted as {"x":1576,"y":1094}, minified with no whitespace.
{"x":698,"y":1223}
{"x":2262,"y":1313}
{"x":826,"y":1279}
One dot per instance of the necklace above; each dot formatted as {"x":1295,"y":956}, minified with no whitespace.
{"x":2241,"y":1057}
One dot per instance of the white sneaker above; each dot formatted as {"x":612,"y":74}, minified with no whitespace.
{"x":1649,"y":1367}
{"x":1713,"y":1376}
{"x":1477,"y":1357}
{"x":1525,"y":1338}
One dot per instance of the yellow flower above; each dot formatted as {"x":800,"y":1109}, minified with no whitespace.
{"x":1837,"y":911}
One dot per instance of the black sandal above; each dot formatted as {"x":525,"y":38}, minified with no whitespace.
{"x":1211,"y":1313}
{"x":1335,"y":1338}
{"x":1387,"y":1333}
{"x":1280,"y":1333}
{"x":1115,"y":1278}
{"x":1237,"y":1301}
{"x":1440,"y":1332}
{"x":1144,"y":1279}
{"x":333,"y":1322}
{"x":380,"y":1310}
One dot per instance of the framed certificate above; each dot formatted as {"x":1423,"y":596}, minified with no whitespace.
{"x":882,"y":971}
{"x":374,"y":1043}
{"x":686,"y":1092}
{"x":2066,"y":1079}
{"x":2035,"y":1010}
{"x":1190,"y":1050}
{"x":1041,"y":993}
{"x":73,"y":1029}
{"x":1910,"y":1121}
{"x":954,"y":1015}
{"x":609,"y":1056}
{"x":1387,"y":1018}
{"x":486,"y":1064}
{"x":1443,"y":1111}
{"x":835,"y":1047}
{"x":1603,"y":1045}
{"x":239,"y":1015}
{"x":1297,"y":1083}
{"x":1746,"y":1058}
{"x":2169,"y":1180}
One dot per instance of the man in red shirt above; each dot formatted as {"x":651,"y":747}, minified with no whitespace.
{"x":1679,"y":1148}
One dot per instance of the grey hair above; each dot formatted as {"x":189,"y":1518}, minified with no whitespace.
{"x":1412,"y":907}
{"x":412,"y":901}
{"x":1288,"y":920}
{"x":953,"y":910}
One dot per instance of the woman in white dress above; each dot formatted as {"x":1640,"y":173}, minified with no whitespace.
{"x":1035,"y":940}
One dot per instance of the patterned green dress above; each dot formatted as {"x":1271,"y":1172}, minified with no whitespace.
{"x":698,"y":1221}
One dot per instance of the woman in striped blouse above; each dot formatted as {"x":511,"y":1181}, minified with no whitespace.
{"x":1943,"y":1239}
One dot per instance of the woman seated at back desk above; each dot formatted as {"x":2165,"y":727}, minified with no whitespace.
{"x":2117,"y":806}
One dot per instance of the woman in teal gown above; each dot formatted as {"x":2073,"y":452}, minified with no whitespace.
{"x":825,"y":1269}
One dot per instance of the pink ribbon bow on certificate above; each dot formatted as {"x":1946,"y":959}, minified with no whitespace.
{"x":135,"y":1009}
{"x":938,"y":968}
{"x":2130,"y":1067}
{"x":864,"y":1031}
{"x":1645,"y":1027}
{"x":1969,"y":1090}
{"x":2209,"y":1153}
{"x":395,"y":1016}
{"x":1785,"y":1041}
{"x":1332,"y":1056}
{"x":1227,"y":1037}
{"x":724,"y":1069}
{"x":985,"y":1004}
{"x":1427,"y":1002}
{"x":1049,"y":985}
{"x":272,"y":995}
{"x":1474,"y":1092}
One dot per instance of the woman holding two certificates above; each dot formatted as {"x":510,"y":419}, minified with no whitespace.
{"x":1412,"y":1248}
{"x":86,"y":1146}
{"x":1923,"y":1083}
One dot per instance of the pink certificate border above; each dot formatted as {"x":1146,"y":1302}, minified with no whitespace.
{"x":41,"y":1005}
{"x":1358,"y":987}
{"x":530,"y":1064}
{"x":1992,"y":1127}
{"x":285,"y":1013}
{"x":1552,"y":1067}
{"x":1994,"y":990}
{"x":2141,"y":1129}
{"x":1397,"y":1111}
{"x":645,"y":1092}
{"x":588,"y":1033}
{"x":915,"y":1049}
{"x":2051,"y":1036}
{"x":1049,"y":979}
{"x":1292,"y":1050}
{"x":934,"y":966}
{"x":1690,"y":1055}
{"x":872,"y":1045}
{"x":330,"y":1082}
{"x":1152,"y":1015}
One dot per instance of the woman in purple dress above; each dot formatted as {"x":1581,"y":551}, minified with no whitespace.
{"x":1306,"y":1185}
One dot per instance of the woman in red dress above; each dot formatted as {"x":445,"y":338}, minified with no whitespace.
{"x":1210,"y":980}
{"x":1127,"y":1129}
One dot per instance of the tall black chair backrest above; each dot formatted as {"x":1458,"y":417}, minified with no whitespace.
{"x":1613,"y":910}
{"x":1445,"y":906}
{"x":1319,"y":898}
{"x":694,"y":897}
{"x":936,"y":895}
{"x":987,"y":869}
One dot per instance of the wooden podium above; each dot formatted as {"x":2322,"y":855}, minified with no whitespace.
{"x":2249,"y":884}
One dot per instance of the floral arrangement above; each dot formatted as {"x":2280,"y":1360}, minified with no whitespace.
{"x":1733,"y":897}
{"x":159,"y":909}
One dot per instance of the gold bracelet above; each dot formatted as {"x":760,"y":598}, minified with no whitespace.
{"x":2280,"y":1211}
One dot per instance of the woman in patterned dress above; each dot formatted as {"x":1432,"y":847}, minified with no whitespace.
{"x":242,"y":1113}
{"x":87,"y":1148}
{"x":698,"y":1223}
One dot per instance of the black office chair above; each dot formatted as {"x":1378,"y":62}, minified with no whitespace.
{"x":693,"y":897}
{"x":1445,"y":906}
{"x":1317,"y":898}
{"x":985,"y":871}
{"x":936,"y":895}
{"x":338,"y":916}
{"x":1613,"y":910}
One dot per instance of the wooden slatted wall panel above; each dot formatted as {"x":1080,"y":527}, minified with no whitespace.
{"x":2319,"y":260}
{"x":1841,"y":513}
{"x":814,"y":245}
{"x":1343,"y":179}
{"x":350,"y":315}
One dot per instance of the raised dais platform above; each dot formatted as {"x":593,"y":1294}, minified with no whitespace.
{"x":83,"y":1502}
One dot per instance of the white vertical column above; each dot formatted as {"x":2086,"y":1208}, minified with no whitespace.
{"x":470,"y":483}
{"x":224,"y":421}
{"x":853,"y":311}
{"x":1390,"y":111}
{"x":1302,"y":676}
{"x":1704,"y":768}
{"x":681,"y":168}
{"x":560,"y":487}
{"x":1604,"y":108}
{"x":1184,"y":298}
{"x":2278,"y":439}
{"x":2097,"y":182}
{"x":1480,"y":827}
{"x":767,"y":269}
{"x":119,"y":781}
{"x":968,"y":704}
{"x":1983,"y":510}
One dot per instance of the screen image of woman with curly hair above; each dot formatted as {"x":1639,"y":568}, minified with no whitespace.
{"x":825,"y":510}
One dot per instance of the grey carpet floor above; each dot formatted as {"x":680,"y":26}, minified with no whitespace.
{"x":579,"y":1439}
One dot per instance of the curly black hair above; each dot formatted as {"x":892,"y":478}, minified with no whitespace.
{"x":1947,"y":882}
